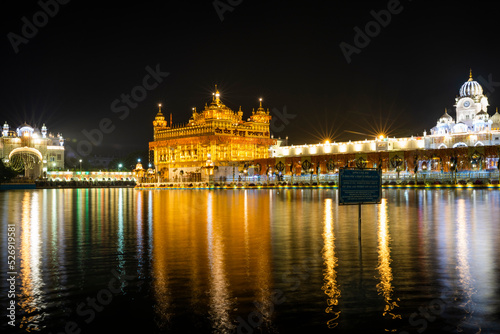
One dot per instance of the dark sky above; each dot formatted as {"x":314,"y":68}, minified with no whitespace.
{"x":87,"y":54}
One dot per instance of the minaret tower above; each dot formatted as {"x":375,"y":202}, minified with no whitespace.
{"x":5,"y":131}
{"x":159,"y":122}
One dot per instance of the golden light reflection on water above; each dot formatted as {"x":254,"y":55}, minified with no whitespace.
{"x":31,"y":296}
{"x":214,"y":255}
{"x":220,"y":302}
{"x":330,"y":286}
{"x":258,"y":251}
{"x":160,"y":282}
{"x":214,"y":247}
{"x":385,"y":287}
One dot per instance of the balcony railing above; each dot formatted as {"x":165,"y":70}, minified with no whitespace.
{"x":402,"y":178}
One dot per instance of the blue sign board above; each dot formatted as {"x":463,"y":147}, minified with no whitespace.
{"x":360,"y":186}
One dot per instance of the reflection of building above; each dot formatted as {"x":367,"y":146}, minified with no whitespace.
{"x":220,"y":254}
{"x":32,"y":149}
{"x":473,"y":139}
{"x":214,"y":141}
{"x":90,"y":176}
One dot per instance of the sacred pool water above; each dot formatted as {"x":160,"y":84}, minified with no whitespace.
{"x":249,"y":261}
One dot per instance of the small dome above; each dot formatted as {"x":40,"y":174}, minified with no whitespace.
{"x":496,"y":120}
{"x":482,"y":116}
{"x":25,"y":128}
{"x":445,"y":116}
{"x":471,"y":88}
{"x":496,"y":117}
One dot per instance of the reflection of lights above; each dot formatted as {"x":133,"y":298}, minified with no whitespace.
{"x":463,"y":266}
{"x":140,"y":241}
{"x":30,"y":274}
{"x":219,"y":295}
{"x":330,"y":286}
{"x":120,"y":234}
{"x":384,"y":263}
{"x":247,"y":249}
{"x":161,"y":282}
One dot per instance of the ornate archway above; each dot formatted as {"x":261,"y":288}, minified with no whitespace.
{"x":27,"y":158}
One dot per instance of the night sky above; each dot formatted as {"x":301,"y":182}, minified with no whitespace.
{"x":75,"y":71}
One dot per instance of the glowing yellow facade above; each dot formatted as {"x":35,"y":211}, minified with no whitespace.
{"x":214,"y":137}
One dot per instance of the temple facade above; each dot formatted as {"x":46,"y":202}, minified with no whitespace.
{"x":34,"y":150}
{"x":215,"y":142}
{"x":469,"y":142}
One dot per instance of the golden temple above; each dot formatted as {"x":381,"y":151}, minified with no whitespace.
{"x":215,"y":139}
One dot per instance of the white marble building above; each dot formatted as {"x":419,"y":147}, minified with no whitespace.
{"x":35,"y":150}
{"x":473,"y":127}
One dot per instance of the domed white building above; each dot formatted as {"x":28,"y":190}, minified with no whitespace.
{"x":470,"y":102}
{"x":471,"y":112}
{"x":495,"y":121}
{"x":31,"y":149}
{"x":473,"y":127}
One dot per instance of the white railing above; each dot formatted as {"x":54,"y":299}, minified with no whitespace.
{"x":391,"y":177}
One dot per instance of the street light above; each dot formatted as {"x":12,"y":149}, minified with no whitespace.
{"x":80,"y":165}
{"x":119,"y":167}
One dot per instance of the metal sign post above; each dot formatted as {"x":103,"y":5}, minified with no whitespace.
{"x":360,"y":186}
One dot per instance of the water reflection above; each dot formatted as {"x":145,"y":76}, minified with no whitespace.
{"x":465,"y":279}
{"x":330,"y":286}
{"x":220,"y":303}
{"x":160,"y":277}
{"x":120,"y":235}
{"x":209,"y":258}
{"x":139,"y":235}
{"x":31,"y":298}
{"x":257,"y":227}
{"x":385,"y":287}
